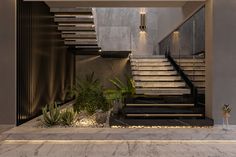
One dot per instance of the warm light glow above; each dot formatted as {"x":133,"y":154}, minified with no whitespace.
{"x":176,"y":32}
{"x":142,"y":11}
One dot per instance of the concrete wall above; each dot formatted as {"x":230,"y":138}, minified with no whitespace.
{"x":224,"y":58}
{"x":103,"y":68}
{"x":118,"y":28}
{"x":168,"y":20}
{"x":8,"y":62}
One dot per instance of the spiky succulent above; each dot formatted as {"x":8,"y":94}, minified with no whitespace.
{"x":68,"y":117}
{"x":51,"y":115}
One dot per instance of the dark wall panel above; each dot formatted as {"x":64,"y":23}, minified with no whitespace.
{"x":44,"y":66}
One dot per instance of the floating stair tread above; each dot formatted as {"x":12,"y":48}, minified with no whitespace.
{"x":197,"y":78}
{"x":162,"y":91}
{"x":78,"y":36}
{"x":147,"y":56}
{"x":152,"y":68}
{"x":193,"y":68}
{"x":154,"y":73}
{"x":157,"y":78}
{"x":160,"y":84}
{"x":81,"y":20}
{"x":75,"y":28}
{"x":150,"y":64}
{"x":71,"y":10}
{"x":81,"y":42}
{"x":161,"y":105}
{"x":192,"y":64}
{"x":88,"y":47}
{"x":174,"y":121}
{"x":162,"y":110}
{"x":190,"y":61}
{"x":165,"y":115}
{"x":192,"y":73}
{"x":149,"y":60}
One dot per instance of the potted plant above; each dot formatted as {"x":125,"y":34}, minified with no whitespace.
{"x":226,"y":114}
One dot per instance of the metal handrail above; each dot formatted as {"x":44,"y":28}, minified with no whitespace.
{"x":194,"y":91}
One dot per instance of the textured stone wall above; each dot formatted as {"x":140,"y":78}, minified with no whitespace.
{"x":118,"y":28}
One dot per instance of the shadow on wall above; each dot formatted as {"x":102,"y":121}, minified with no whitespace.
{"x":104,"y":68}
{"x":44,"y":66}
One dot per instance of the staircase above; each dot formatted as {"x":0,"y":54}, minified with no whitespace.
{"x":162,"y":96}
{"x":77,"y":28}
{"x":194,"y":68}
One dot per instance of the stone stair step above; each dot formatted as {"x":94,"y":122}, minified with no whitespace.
{"x":193,"y":73}
{"x":146,"y":56}
{"x":154,"y":73}
{"x":157,"y":78}
{"x":197,"y":78}
{"x":192,"y":65}
{"x":160,"y":105}
{"x":193,"y":68}
{"x":162,"y":110}
{"x":175,"y":121}
{"x":148,"y":64}
{"x":201,"y":90}
{"x":165,"y":115}
{"x":152,"y":68}
{"x":190,"y":60}
{"x":159,"y":84}
{"x":199,"y":84}
{"x":162,"y":91}
{"x":152,"y":60}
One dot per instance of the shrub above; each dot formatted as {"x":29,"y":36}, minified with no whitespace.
{"x":68,"y":117}
{"x":89,"y":95}
{"x":122,"y":90}
{"x":51,"y":115}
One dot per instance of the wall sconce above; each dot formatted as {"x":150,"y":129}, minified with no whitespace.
{"x":142,"y":26}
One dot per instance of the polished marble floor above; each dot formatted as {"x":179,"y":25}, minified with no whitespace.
{"x":107,"y":142}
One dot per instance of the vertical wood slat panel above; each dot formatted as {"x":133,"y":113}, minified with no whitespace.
{"x":34,"y":53}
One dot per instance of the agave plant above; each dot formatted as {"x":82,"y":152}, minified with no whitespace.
{"x":68,"y":117}
{"x":51,"y":115}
